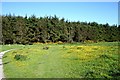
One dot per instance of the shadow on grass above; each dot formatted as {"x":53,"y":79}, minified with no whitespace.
{"x":5,"y":63}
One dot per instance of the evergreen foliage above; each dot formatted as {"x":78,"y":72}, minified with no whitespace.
{"x":27,"y":30}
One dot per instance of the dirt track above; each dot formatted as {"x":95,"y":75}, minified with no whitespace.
{"x":1,"y":64}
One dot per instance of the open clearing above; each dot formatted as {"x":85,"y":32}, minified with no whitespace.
{"x":95,"y":60}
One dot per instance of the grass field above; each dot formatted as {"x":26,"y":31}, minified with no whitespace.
{"x":95,"y":60}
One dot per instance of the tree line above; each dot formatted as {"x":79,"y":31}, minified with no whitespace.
{"x":27,"y":30}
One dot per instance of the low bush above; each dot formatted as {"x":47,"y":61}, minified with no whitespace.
{"x":20,"y":57}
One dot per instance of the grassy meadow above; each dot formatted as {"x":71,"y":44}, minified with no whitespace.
{"x":93,"y":60}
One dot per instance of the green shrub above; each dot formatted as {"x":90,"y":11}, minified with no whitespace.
{"x":20,"y":57}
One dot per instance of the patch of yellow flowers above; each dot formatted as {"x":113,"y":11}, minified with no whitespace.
{"x":84,"y":52}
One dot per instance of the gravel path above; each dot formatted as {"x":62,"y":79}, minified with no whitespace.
{"x":1,"y":65}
